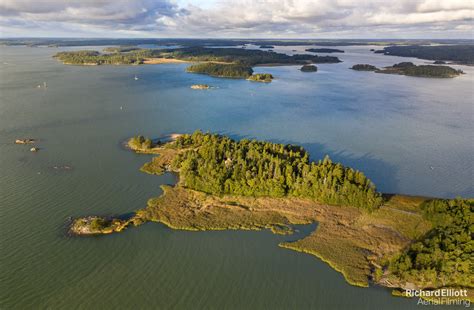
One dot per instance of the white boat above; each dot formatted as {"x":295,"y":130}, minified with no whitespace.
{"x":136,"y":78}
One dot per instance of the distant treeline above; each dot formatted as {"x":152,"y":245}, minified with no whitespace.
{"x":219,"y":165}
{"x":216,"y":42}
{"x":324,"y":50}
{"x":462,"y":54}
{"x":445,"y":256}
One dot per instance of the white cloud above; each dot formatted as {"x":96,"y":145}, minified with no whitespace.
{"x":239,"y":18}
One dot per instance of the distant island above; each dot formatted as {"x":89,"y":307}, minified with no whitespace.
{"x":460,"y":54}
{"x":261,"y":77}
{"x":267,"y":46}
{"x":219,"y":62}
{"x":120,"y":49}
{"x":364,"y":67}
{"x":324,"y":50}
{"x":309,"y":68}
{"x":200,"y":86}
{"x":410,"y":69}
{"x":393,"y":240}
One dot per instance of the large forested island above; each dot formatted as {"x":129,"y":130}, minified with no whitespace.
{"x":392,"y":240}
{"x":431,"y":71}
{"x":220,"y":62}
{"x":461,"y":54}
{"x":410,"y":69}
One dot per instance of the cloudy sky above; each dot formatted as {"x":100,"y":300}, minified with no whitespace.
{"x":238,"y":18}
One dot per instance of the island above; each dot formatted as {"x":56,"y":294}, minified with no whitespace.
{"x":222,"y":70}
{"x":309,"y":68}
{"x":410,"y":69}
{"x":391,"y":240}
{"x":459,"y":54}
{"x":200,"y":86}
{"x":25,"y":141}
{"x":324,"y":50}
{"x":267,"y":46}
{"x":439,"y":62}
{"x":261,"y":77}
{"x":220,"y":62}
{"x":364,"y":67}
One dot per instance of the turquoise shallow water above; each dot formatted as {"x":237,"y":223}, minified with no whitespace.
{"x":409,"y":135}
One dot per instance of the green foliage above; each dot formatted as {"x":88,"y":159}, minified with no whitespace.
{"x":140,"y":142}
{"x":463,"y":54}
{"x":98,"y":224}
{"x":243,"y":56}
{"x":222,"y":70}
{"x":95,"y":58}
{"x":261,"y":77}
{"x":445,"y":256}
{"x":408,"y":68}
{"x":219,"y":165}
{"x":364,"y":67}
{"x":309,"y":68}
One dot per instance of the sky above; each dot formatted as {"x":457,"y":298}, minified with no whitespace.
{"x":378,"y":19}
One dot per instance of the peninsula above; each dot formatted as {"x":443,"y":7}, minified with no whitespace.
{"x":392,"y":240}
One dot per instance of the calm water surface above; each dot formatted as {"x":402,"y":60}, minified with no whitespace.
{"x":409,"y":135}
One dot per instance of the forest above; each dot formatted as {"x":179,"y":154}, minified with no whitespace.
{"x":218,"y":165}
{"x":197,"y":54}
{"x":243,"y":56}
{"x":410,"y":69}
{"x":134,"y":57}
{"x":445,"y":256}
{"x":462,"y":54}
{"x":221,"y":70}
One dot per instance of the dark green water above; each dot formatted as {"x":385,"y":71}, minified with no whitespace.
{"x":409,"y":135}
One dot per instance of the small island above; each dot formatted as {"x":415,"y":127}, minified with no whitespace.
{"x":364,"y":67}
{"x":391,"y":240}
{"x":25,"y":141}
{"x":200,"y":86}
{"x":430,"y":71}
{"x":309,"y":68}
{"x":439,"y":62}
{"x":324,"y":50}
{"x":267,"y":46}
{"x":261,"y":77}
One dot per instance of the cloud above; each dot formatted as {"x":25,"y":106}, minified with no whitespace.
{"x":238,"y":18}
